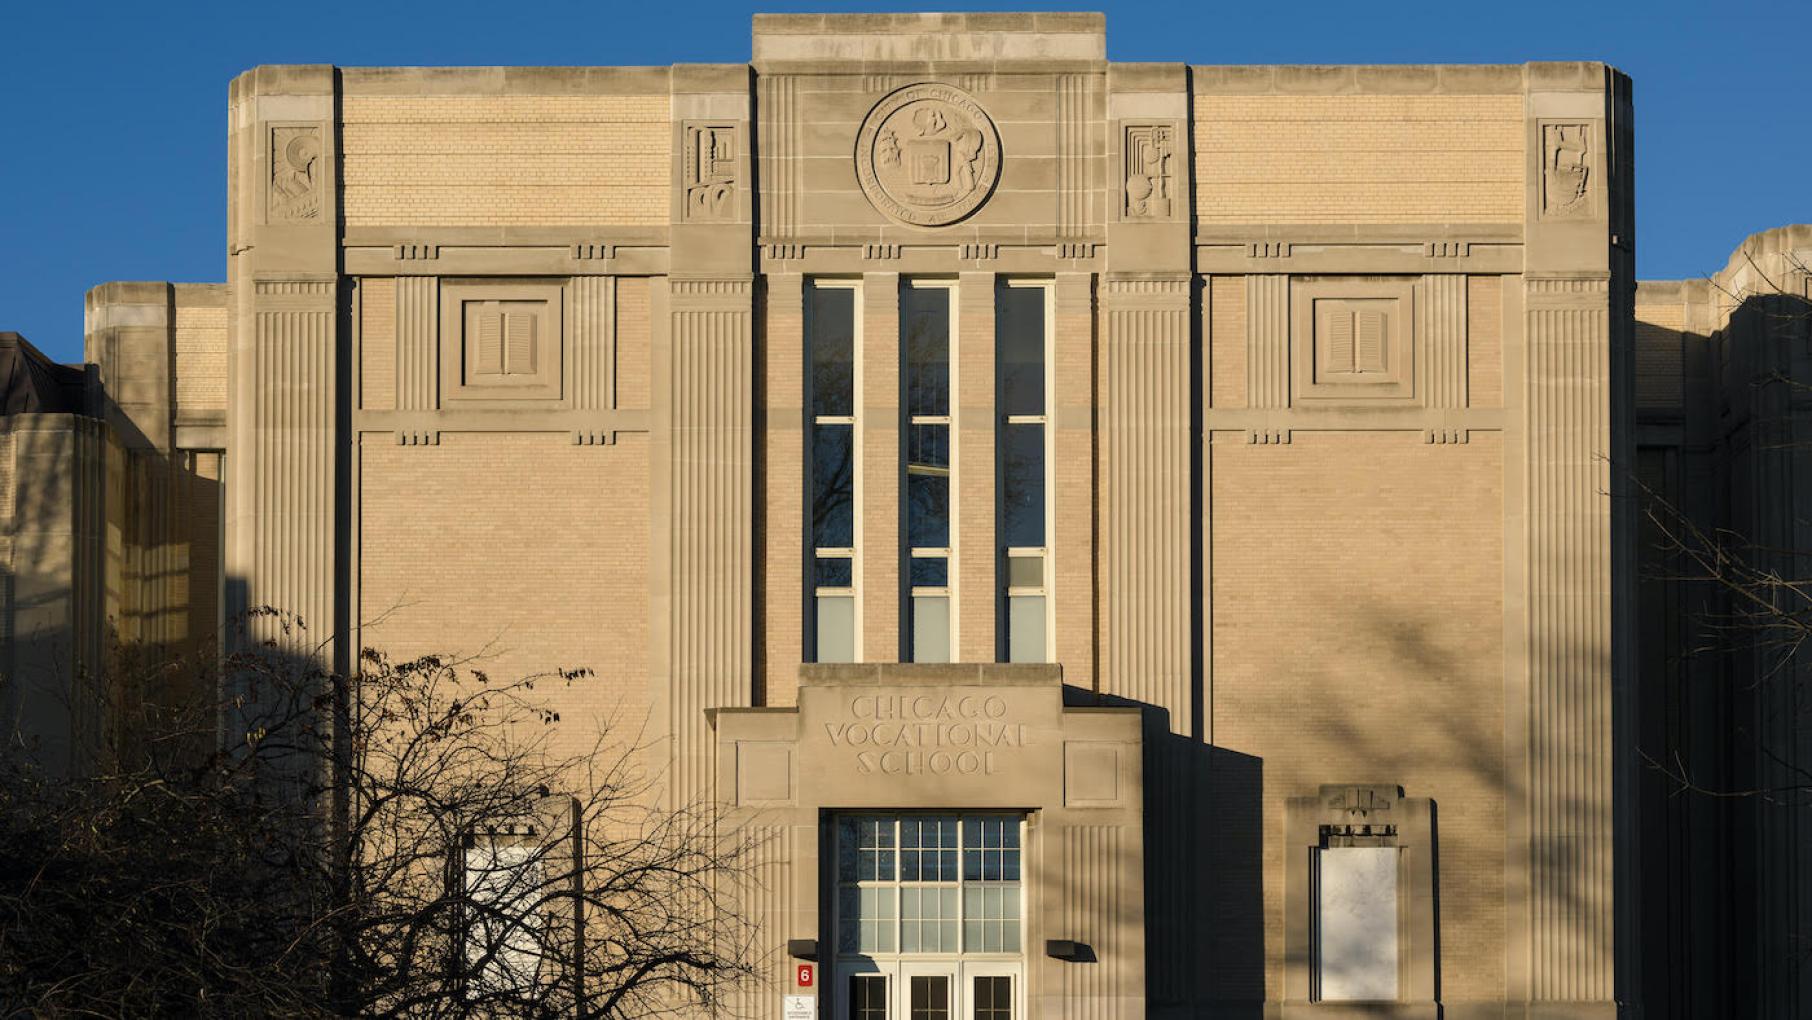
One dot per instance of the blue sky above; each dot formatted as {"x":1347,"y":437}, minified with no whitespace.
{"x":114,"y":160}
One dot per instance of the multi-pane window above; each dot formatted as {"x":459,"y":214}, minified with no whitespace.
{"x":930,"y":997}
{"x":917,"y":884}
{"x":1022,"y":339}
{"x":993,"y":998}
{"x":926,"y":310}
{"x":830,"y":325}
{"x":868,"y":997}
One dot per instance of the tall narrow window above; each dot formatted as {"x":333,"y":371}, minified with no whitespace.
{"x":926,"y":308}
{"x":830,"y":323}
{"x":1022,"y":339}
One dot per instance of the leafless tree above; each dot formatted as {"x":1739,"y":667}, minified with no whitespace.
{"x":404,"y":842}
{"x":1745,"y":595}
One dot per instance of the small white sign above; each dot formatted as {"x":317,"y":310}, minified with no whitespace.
{"x":801,"y":1007}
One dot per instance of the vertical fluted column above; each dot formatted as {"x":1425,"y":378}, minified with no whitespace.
{"x":594,"y":342}
{"x":283,"y":485}
{"x":709,"y":382}
{"x":1563,"y":681}
{"x":417,"y":344}
{"x":1145,"y":491}
{"x":1268,"y":341}
{"x":284,"y":450}
{"x":1569,"y":640}
{"x":711,"y":490}
{"x":1443,"y":324}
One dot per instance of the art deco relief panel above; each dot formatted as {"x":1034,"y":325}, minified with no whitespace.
{"x":983,"y":167}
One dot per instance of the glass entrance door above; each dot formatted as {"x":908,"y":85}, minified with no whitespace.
{"x":993,"y":993}
{"x":929,"y":917}
{"x":930,"y":991}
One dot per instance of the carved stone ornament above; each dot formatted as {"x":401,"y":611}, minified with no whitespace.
{"x":295,"y":160}
{"x":710,"y":172}
{"x":1566,"y":171}
{"x":1148,"y":171}
{"x":927,"y":155}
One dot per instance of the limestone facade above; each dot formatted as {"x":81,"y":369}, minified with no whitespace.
{"x":1326,"y":556}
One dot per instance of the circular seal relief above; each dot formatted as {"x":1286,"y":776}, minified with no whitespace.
{"x":927,"y":155}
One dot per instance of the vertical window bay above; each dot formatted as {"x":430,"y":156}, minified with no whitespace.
{"x":831,"y":461}
{"x":1022,"y":344}
{"x":926,"y":376}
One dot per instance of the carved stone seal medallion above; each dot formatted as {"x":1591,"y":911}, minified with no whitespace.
{"x":927,"y":155}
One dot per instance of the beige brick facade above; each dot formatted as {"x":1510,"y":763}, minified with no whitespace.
{"x":201,"y":358}
{"x":446,"y":161}
{"x":1333,"y":610}
{"x":523,"y":554}
{"x":1330,"y":366}
{"x":1359,"y":159}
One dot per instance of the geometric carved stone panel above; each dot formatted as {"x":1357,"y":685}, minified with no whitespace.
{"x":1353,"y":340}
{"x":501,"y":341}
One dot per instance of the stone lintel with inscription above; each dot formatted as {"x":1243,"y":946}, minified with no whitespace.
{"x":946,"y":736}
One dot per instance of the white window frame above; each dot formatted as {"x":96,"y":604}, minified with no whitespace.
{"x":899,"y":966}
{"x":1047,"y":551}
{"x":949,"y":554}
{"x":813,"y":552}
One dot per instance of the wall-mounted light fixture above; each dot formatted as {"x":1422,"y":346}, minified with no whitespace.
{"x":1069,"y":950}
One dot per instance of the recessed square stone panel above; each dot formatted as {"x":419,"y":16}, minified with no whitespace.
{"x":764,"y":772}
{"x":1091,"y":773}
{"x":1353,"y":340}
{"x":501,"y":341}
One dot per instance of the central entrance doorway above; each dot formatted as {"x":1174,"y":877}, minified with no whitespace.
{"x":929,"y":916}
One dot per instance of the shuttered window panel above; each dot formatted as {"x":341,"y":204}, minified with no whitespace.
{"x":519,"y":332}
{"x":1370,"y":355}
{"x":488,"y":351}
{"x":1340,"y":342}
